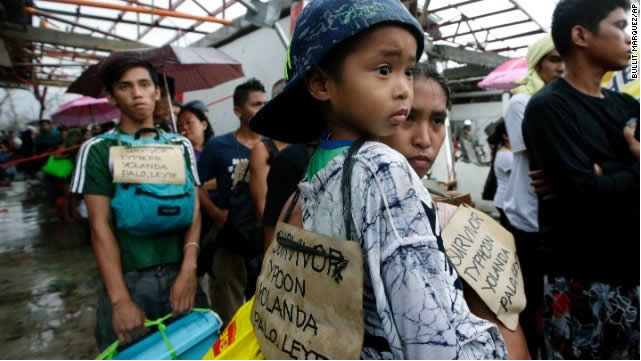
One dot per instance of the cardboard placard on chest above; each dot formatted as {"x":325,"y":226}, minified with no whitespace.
{"x":157,"y":164}
{"x":484,"y":254}
{"x":301,"y":309}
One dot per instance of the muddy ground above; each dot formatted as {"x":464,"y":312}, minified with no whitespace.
{"x":48,"y":280}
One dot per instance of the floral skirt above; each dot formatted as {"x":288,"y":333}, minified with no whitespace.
{"x":589,"y":320}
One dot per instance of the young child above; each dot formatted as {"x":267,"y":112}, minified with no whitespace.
{"x":349,"y":68}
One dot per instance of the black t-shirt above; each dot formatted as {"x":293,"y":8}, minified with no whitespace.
{"x":219,"y":160}
{"x":286,"y":171}
{"x":592,"y":227}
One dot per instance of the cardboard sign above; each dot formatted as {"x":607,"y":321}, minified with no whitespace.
{"x":309,"y":305}
{"x":157,"y":163}
{"x":484,"y":255}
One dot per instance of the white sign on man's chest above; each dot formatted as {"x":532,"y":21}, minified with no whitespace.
{"x":157,"y":164}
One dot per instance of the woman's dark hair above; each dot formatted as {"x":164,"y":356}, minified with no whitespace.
{"x":497,"y":138}
{"x":113,"y":71}
{"x":587,"y":13}
{"x":241,"y":93}
{"x":202,"y":117}
{"x":428,"y":71}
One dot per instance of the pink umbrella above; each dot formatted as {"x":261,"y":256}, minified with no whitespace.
{"x":505,"y":76}
{"x":85,"y":110}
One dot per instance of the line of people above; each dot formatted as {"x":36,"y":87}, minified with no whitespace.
{"x":360,"y":80}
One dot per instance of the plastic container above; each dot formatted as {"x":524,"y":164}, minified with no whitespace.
{"x":191,"y":337}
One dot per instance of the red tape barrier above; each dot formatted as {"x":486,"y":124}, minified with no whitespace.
{"x":39,"y":156}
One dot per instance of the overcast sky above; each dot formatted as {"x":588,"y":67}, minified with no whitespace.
{"x":27,"y":108}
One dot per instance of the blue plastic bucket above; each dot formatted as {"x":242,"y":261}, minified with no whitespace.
{"x":191,"y":336}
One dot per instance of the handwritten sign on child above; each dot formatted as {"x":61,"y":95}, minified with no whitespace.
{"x":157,"y":163}
{"x":309,"y":300}
{"x":484,"y":255}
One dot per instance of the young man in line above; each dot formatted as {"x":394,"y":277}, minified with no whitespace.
{"x":145,"y":277}
{"x":591,"y":250}
{"x":219,"y":159}
{"x":521,"y":204}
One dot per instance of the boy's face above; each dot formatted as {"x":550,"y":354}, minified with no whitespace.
{"x":374,"y":94}
{"x":421,"y":136}
{"x":610,"y":47}
{"x":550,"y":66}
{"x":255,"y":101}
{"x":135,"y":94}
{"x":45,"y":127}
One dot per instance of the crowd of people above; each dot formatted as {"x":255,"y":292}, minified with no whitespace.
{"x":47,"y":152}
{"x":565,"y":158}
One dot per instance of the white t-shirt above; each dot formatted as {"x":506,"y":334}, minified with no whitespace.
{"x":502,"y":169}
{"x":521,"y":205}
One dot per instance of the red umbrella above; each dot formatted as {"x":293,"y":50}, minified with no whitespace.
{"x":85,"y":110}
{"x":191,"y":68}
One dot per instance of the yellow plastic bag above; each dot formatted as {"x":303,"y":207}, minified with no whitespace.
{"x":237,"y":341}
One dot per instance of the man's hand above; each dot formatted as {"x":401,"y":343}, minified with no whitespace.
{"x":221,"y":218}
{"x":541,"y":185}
{"x":633,"y":143}
{"x":128,"y":321}
{"x":183,"y":292}
{"x":597,"y":169}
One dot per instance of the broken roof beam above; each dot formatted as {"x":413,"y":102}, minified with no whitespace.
{"x":533,"y":32}
{"x":465,"y":56}
{"x":221,"y":9}
{"x":172,"y":6}
{"x":143,"y":10}
{"x":473,"y":17}
{"x":51,"y":82}
{"x":39,"y":35}
{"x":517,"y":5}
{"x":466,"y":72}
{"x":509,"y":48}
{"x":453,"y":6}
{"x":123,"y":21}
{"x":483,"y":29}
{"x":33,"y":11}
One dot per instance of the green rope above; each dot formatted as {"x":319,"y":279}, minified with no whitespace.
{"x":161,"y":327}
{"x":110,"y":352}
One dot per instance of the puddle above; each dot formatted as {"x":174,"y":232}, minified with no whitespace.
{"x":48,"y":281}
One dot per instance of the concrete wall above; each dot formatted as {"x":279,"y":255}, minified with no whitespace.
{"x":262,"y":55}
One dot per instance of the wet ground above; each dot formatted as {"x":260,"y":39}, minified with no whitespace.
{"x":48,"y":280}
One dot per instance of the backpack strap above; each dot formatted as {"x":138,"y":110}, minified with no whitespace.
{"x":272,"y":149}
{"x":348,"y":166}
{"x":290,"y":209}
{"x":346,"y":185}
